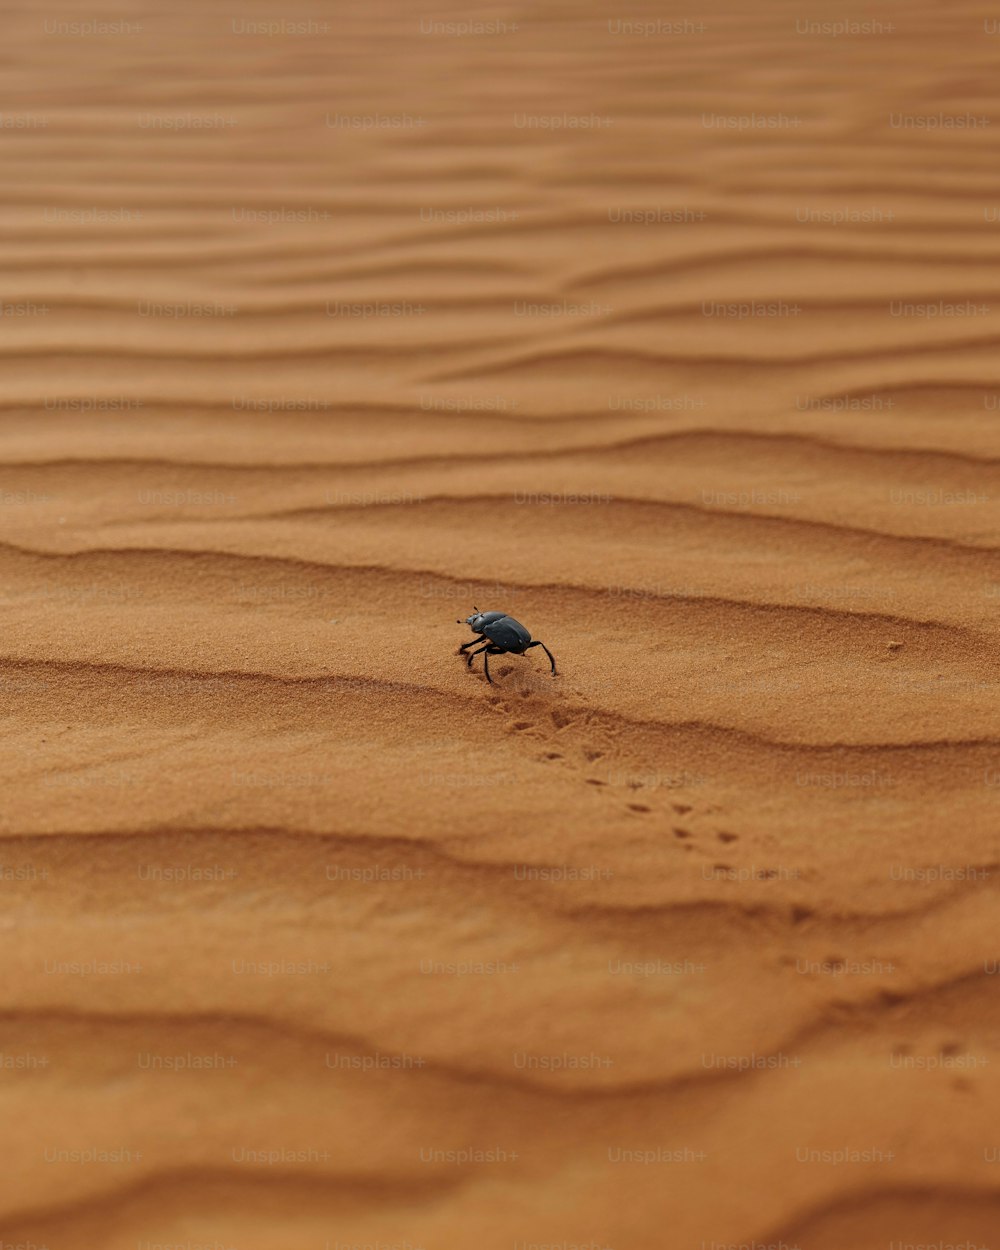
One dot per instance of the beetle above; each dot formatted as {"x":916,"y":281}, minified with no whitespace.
{"x":500,"y":634}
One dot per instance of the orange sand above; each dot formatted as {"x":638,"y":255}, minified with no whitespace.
{"x":644,"y":941}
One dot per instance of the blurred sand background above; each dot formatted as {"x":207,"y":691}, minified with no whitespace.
{"x":676,"y":340}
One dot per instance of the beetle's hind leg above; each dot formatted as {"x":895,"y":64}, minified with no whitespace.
{"x":552,"y":658}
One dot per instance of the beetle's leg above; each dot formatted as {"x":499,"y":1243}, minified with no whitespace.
{"x":552,"y":659}
{"x":472,"y":654}
{"x":472,"y":642}
{"x":492,"y":649}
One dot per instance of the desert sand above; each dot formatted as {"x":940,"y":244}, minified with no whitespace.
{"x":672,"y":334}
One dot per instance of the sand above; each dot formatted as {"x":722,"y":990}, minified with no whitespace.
{"x":679,"y":345}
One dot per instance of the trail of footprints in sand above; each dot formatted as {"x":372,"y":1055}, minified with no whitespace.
{"x":568,"y":730}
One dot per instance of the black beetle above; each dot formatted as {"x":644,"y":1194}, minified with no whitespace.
{"x":500,"y":635}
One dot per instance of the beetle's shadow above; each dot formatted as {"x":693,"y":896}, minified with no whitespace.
{"x":512,"y":682}
{"x":510,"y":678}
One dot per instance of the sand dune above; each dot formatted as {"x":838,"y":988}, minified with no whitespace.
{"x":674,"y":336}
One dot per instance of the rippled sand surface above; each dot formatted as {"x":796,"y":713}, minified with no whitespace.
{"x":680,"y":345}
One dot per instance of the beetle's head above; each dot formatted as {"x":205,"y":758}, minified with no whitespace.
{"x":474,"y":621}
